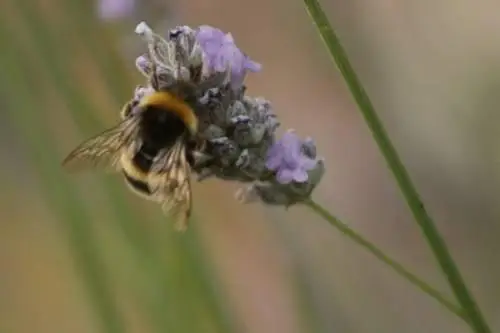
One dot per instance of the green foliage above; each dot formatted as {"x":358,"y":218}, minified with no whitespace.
{"x":171,"y":280}
{"x":412,"y":197}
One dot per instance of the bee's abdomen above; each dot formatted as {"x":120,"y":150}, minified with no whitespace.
{"x":143,"y":159}
{"x":135,"y":171}
{"x":137,"y":185}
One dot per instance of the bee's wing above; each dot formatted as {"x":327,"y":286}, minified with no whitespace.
{"x":104,"y":149}
{"x":170,"y":183}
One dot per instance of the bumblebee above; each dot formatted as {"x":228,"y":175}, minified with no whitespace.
{"x":153,"y":147}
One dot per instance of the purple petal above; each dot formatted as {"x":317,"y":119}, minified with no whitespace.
{"x":115,"y":9}
{"x":237,"y":81}
{"x":206,"y":32}
{"x":273,"y":162}
{"x":211,"y":48}
{"x":252,"y":66}
{"x":221,"y":52}
{"x":228,"y":39}
{"x":292,"y":157}
{"x":275,"y":150}
{"x":307,"y":163}
{"x":300,"y":176}
{"x":143,"y":64}
{"x":236,"y":58}
{"x":285,"y":176}
{"x":291,"y":141}
{"x":219,"y":63}
{"x":291,"y":162}
{"x":140,"y":92}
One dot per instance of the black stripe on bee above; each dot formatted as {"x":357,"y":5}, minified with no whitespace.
{"x":143,"y":159}
{"x":137,"y":185}
{"x":160,"y":129}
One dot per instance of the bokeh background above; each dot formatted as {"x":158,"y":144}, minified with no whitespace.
{"x":82,"y":254}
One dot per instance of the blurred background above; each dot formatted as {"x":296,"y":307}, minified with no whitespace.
{"x":81,"y":253}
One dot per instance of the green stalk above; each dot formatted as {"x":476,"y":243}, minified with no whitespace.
{"x":397,"y":267}
{"x":427,"y":225}
{"x":159,"y":307}
{"x":60,"y":197}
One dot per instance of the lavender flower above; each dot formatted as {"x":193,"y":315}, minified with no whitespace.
{"x":207,"y":69}
{"x":143,"y":64}
{"x":115,"y":9}
{"x":141,"y":91}
{"x":220,"y":52}
{"x":296,"y":171}
{"x":286,"y":157}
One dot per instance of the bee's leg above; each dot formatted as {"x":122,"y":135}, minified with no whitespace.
{"x":200,"y":144}
{"x":126,"y":110}
{"x":196,"y":156}
{"x":200,"y":159}
{"x":204,"y":173}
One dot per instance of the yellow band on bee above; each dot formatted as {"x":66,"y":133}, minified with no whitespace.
{"x":170,"y":102}
{"x":128,"y":166}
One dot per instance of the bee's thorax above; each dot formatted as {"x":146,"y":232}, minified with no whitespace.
{"x":161,"y":128}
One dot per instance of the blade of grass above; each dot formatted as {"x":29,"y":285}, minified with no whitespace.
{"x":189,"y":251}
{"x":54,"y":54}
{"x":60,"y":196}
{"x":119,"y":82}
{"x":312,"y":314}
{"x":201,"y":267}
{"x":397,"y":267}
{"x":426,"y":223}
{"x":193,"y":262}
{"x":54,"y":57}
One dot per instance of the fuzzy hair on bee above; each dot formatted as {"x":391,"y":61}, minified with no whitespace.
{"x":154,"y":149}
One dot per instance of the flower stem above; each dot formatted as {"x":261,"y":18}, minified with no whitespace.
{"x":427,"y":225}
{"x":397,"y":267}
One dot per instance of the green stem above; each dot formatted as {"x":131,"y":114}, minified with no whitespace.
{"x":397,"y":267}
{"x":427,"y":225}
{"x":62,"y":198}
